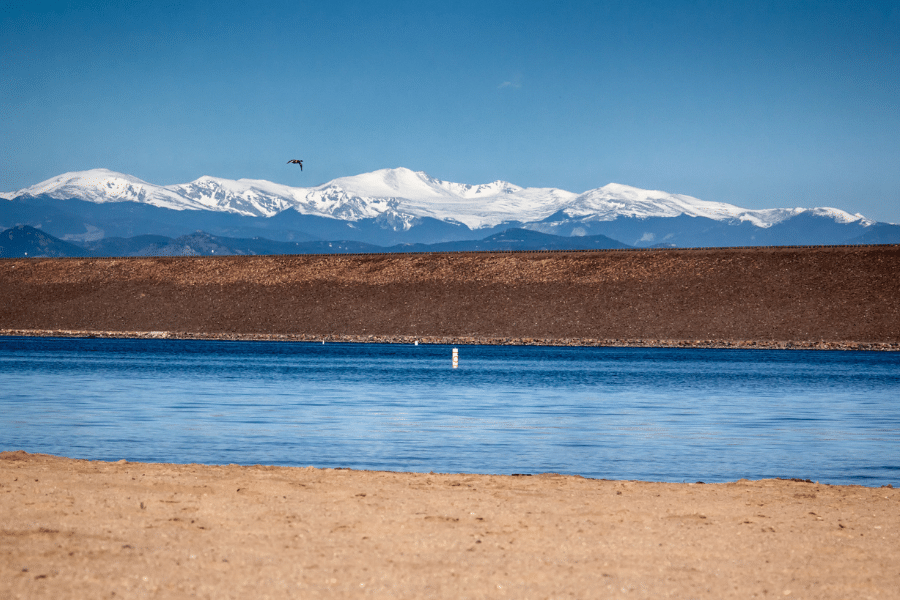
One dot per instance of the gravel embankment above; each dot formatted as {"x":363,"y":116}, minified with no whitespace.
{"x":829,"y":297}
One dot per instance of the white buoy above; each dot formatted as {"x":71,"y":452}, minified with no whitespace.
{"x":417,"y":342}
{"x":455,"y":358}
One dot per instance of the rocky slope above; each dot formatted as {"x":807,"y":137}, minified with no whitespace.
{"x":780,"y":294}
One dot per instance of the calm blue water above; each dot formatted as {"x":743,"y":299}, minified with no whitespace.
{"x":650,"y":414}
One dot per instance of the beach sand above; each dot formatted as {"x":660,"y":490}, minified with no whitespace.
{"x":87,"y":529}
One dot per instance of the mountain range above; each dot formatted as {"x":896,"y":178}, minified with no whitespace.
{"x":403,"y":208}
{"x":25,"y":241}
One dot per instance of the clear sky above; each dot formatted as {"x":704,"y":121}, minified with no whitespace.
{"x":759,"y":103}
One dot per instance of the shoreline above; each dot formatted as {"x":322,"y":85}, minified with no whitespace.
{"x":73,"y":528}
{"x":461,"y":340}
{"x":214,"y":465}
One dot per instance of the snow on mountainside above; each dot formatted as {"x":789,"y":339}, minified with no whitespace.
{"x":404,"y":195}
{"x":102,"y":185}
{"x":616,"y":200}
{"x":477,"y":206}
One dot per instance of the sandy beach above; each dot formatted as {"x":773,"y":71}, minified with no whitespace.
{"x":83,"y":529}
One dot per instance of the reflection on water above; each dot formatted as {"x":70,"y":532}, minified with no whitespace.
{"x":618,"y":413}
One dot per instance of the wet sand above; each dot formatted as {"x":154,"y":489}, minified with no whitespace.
{"x":81,"y":529}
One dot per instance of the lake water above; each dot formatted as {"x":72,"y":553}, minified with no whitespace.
{"x":616,"y":413}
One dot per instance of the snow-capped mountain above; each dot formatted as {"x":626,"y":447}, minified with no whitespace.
{"x":400,"y":206}
{"x":403,"y":193}
{"x":406,"y":195}
{"x":102,"y":185}
{"x":615,"y":200}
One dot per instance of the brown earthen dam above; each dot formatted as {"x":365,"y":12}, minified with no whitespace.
{"x":840,"y":297}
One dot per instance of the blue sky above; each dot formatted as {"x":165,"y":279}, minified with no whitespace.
{"x":759,"y":104}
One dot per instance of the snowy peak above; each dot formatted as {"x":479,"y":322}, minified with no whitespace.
{"x":391,"y":183}
{"x":837,"y":215}
{"x":416,"y":185}
{"x":244,"y":196}
{"x":616,"y":200}
{"x":409,"y":194}
{"x":400,"y":196}
{"x":103,"y":185}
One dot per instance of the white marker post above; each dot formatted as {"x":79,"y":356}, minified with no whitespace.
{"x":455,"y":358}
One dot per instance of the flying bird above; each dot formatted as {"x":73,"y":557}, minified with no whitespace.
{"x":296,"y":162}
